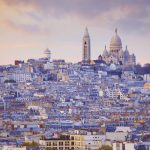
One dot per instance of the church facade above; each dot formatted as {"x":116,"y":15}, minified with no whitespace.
{"x":116,"y":54}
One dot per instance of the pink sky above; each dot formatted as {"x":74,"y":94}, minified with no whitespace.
{"x":28,"y":27}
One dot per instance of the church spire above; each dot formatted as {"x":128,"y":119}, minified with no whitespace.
{"x":86,"y":33}
{"x":86,"y":47}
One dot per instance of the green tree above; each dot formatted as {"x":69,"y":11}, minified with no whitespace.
{"x":106,"y":147}
{"x":10,"y":81}
{"x":30,"y":144}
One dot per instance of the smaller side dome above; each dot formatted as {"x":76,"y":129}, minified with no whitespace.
{"x":105,"y":53}
{"x":126,"y":52}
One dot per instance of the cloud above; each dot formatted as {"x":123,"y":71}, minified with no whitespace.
{"x":25,"y":28}
{"x":127,"y":13}
{"x":62,"y":21}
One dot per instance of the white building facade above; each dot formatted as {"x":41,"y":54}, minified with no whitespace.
{"x":116,"y":54}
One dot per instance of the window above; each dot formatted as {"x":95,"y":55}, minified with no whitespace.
{"x":48,"y":143}
{"x":60,"y":143}
{"x":55,"y":143}
{"x":67,"y":143}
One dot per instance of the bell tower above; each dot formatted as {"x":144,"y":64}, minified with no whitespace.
{"x":86,"y":47}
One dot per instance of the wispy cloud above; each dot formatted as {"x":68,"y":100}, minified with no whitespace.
{"x":129,"y":12}
{"x":63,"y":20}
{"x":25,"y":28}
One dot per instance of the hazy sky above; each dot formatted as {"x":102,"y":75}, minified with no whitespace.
{"x":28,"y":27}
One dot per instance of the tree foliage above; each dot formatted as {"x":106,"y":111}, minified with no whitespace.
{"x":142,"y":69}
{"x":106,"y":147}
{"x":30,"y":144}
{"x":9,"y":81}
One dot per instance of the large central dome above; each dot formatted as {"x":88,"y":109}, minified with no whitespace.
{"x":115,"y":43}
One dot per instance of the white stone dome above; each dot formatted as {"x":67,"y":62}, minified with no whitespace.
{"x":47,"y":51}
{"x":115,"y":42}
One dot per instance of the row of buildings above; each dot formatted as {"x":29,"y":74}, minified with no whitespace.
{"x":52,"y":104}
